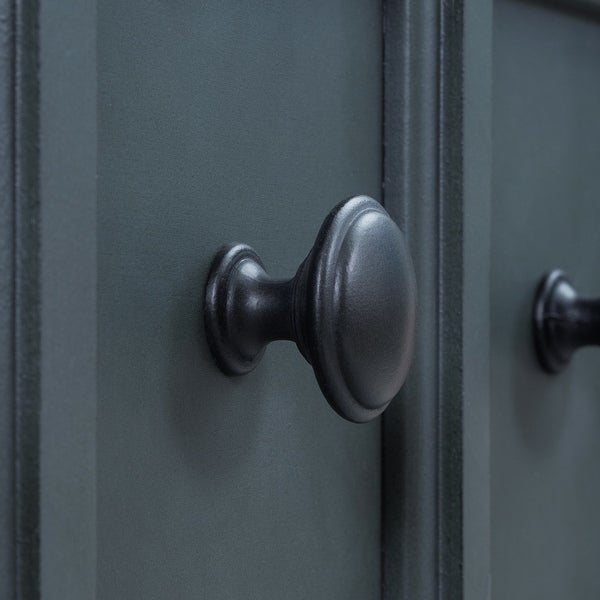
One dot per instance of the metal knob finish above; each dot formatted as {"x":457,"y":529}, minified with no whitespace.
{"x":350,"y":309}
{"x":563,"y":321}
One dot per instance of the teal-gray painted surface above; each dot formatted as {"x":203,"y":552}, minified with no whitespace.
{"x":220,"y":122}
{"x":476,"y":232}
{"x":546,"y":196}
{"x":67,"y":109}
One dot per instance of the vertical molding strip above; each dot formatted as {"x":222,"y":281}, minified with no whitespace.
{"x":451,"y":276}
{"x":26,"y":302}
{"x":411,"y":520}
{"x":437,"y":164}
{"x":7,"y":305}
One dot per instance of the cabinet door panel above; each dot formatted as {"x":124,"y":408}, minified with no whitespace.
{"x":545,"y":442}
{"x":220,"y":122}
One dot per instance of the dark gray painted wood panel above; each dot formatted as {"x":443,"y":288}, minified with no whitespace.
{"x":221,"y":122}
{"x":546,"y":194}
{"x":24,"y":374}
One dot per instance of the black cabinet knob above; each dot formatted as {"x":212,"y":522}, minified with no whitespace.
{"x":563,"y":321}
{"x":350,"y":309}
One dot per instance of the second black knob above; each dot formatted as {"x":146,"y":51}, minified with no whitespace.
{"x":563,"y":321}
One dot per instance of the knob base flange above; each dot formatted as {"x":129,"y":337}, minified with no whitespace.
{"x":221,"y":311}
{"x":552,"y":356}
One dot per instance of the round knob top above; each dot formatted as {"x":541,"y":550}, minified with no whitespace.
{"x":360,"y":307}
{"x":351,"y":309}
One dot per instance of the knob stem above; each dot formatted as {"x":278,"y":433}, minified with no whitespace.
{"x":261,"y":304}
{"x":246,"y":309}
